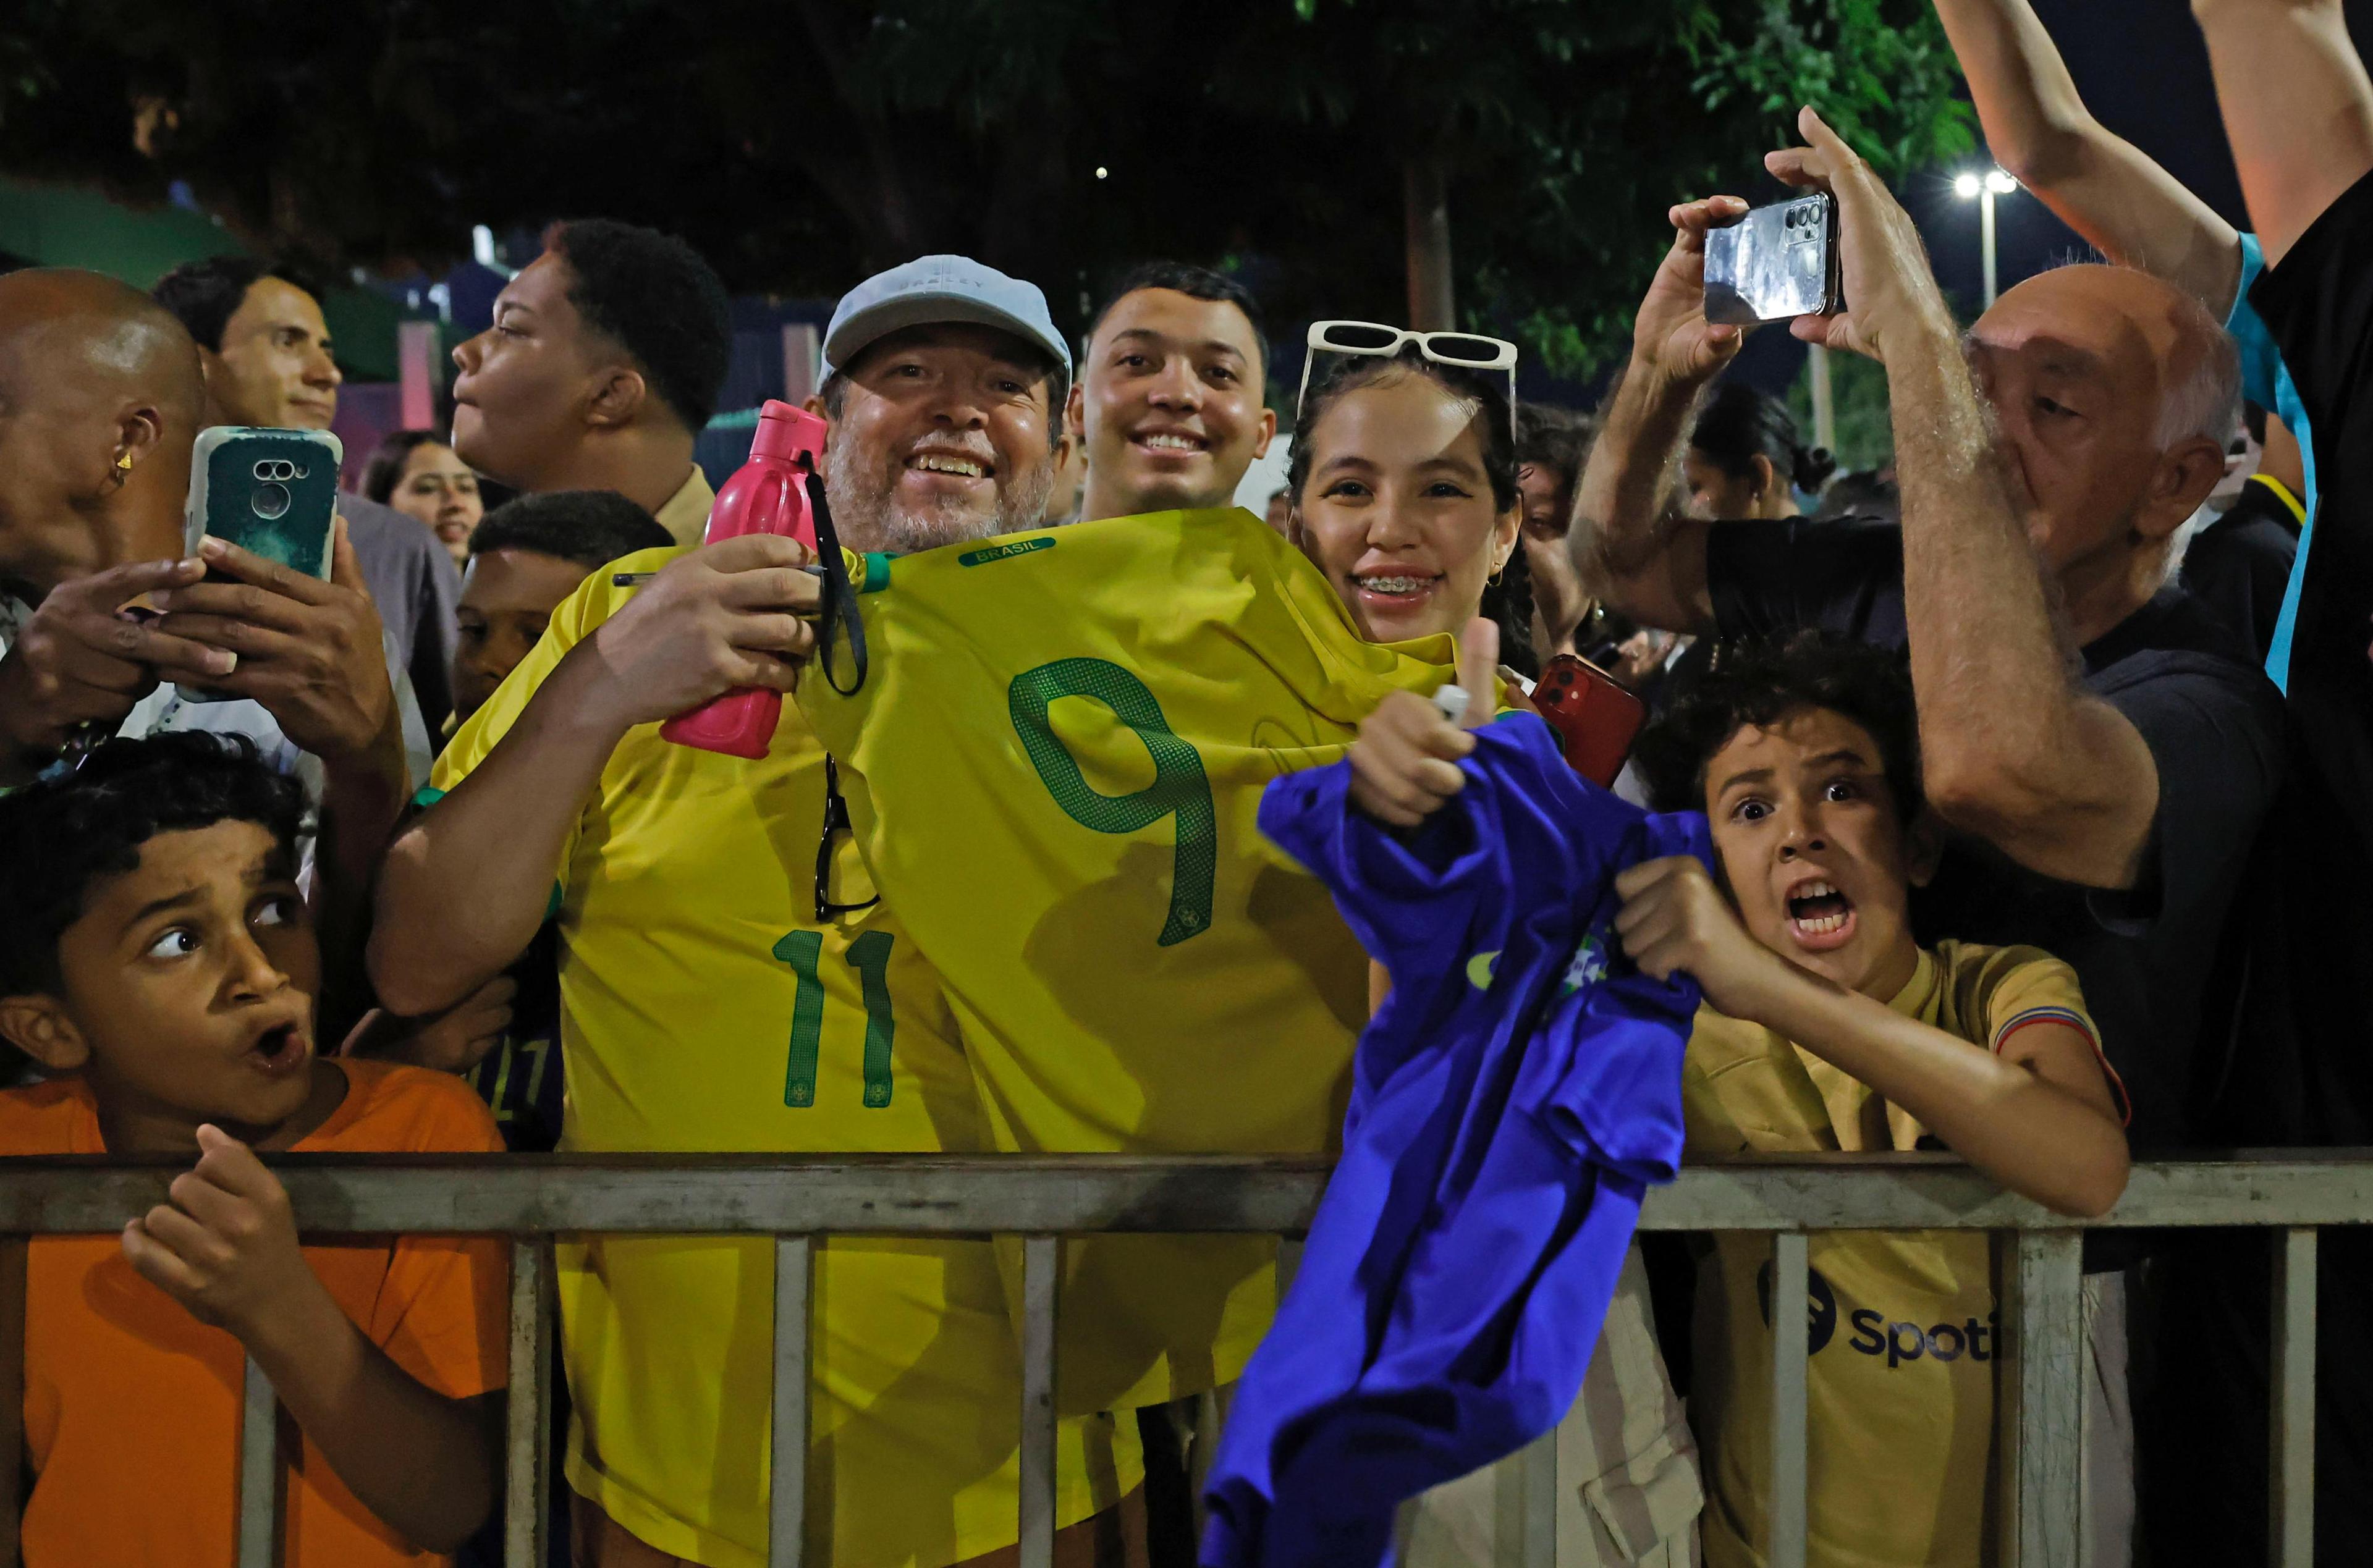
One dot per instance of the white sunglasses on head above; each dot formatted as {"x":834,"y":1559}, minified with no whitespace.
{"x":1463,"y":351}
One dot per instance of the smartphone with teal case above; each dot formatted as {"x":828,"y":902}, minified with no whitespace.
{"x":274,"y":493}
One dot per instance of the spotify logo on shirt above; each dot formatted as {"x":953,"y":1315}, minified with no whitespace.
{"x":1874,"y":1335}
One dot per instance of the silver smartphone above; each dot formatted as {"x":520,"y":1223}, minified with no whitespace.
{"x":1775,"y":264}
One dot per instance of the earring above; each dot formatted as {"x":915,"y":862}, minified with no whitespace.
{"x":123,"y":463}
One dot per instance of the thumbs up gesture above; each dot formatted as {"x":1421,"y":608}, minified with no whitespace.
{"x":1405,"y":765}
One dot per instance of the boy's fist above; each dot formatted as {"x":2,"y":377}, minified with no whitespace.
{"x":1675,"y":918}
{"x":226,"y":1246}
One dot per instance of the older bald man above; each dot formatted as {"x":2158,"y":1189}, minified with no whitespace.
{"x":2104,"y":748}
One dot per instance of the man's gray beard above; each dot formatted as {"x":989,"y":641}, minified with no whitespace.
{"x":865,"y":517}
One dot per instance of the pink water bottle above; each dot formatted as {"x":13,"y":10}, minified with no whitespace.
{"x":766,"y":494}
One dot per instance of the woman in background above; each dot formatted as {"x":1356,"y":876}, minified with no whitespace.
{"x":416,"y":473}
{"x":1745,"y":461}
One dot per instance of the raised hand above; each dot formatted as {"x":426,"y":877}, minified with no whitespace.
{"x":225,"y":1247}
{"x":308,"y":651}
{"x":82,"y":660}
{"x":1405,"y":764}
{"x":723,"y":617}
{"x":1671,"y":334}
{"x":1890,"y":290}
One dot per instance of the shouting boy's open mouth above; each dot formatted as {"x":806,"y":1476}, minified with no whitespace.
{"x":1819,"y":916}
{"x":280,"y":1049}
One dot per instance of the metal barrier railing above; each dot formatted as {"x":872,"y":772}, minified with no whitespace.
{"x":2040,"y":1410}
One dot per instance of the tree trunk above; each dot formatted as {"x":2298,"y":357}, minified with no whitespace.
{"x":1425,"y":191}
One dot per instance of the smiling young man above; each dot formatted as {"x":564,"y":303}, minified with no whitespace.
{"x":1172,"y":393}
{"x":268,"y":361}
{"x":783,"y":1014}
{"x":600,"y":369}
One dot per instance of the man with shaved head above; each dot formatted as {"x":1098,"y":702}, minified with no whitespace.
{"x":102,"y":398}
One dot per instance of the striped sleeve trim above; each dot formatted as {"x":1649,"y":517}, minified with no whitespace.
{"x":2083,"y":1026}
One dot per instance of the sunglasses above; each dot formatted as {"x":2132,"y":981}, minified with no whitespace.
{"x":1465,"y":351}
{"x":836,"y":822}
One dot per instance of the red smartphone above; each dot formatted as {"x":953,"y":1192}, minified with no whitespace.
{"x":1594,"y":714}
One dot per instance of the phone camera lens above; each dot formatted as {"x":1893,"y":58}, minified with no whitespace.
{"x":271,"y":501}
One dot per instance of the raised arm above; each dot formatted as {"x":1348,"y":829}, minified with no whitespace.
{"x":466,"y":885}
{"x":2102,"y":185}
{"x":2297,"y":108}
{"x":1631,"y":544}
{"x":2011,"y":748}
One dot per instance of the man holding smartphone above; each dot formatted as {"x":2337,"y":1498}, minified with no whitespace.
{"x":101,"y":404}
{"x":267,"y":356}
{"x":2103,"y":814}
{"x":2136,"y":785}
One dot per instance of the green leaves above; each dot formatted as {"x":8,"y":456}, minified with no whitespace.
{"x":803,"y":143}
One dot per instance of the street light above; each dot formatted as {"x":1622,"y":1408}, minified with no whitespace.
{"x":1984,"y":189}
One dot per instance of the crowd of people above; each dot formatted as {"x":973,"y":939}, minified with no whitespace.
{"x":2012,"y":788}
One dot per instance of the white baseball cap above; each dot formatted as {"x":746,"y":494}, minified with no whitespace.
{"x":932,"y":289}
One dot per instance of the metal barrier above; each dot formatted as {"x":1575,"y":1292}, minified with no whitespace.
{"x":2039,"y":1411}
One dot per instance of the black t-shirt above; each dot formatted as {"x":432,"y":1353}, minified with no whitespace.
{"x":2314,"y":922}
{"x":2239,"y":564}
{"x":2146,"y":956}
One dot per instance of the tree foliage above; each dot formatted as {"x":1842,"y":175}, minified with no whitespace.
{"x":802,"y":143}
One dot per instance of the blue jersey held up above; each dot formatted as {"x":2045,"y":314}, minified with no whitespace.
{"x":1510,"y":1102}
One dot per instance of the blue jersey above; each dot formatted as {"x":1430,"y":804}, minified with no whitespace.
{"x":1510,"y":1102}
{"x":2266,"y":382}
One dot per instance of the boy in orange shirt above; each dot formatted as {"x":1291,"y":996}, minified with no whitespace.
{"x":156,"y":960}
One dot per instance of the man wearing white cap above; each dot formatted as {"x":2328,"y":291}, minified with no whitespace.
{"x":944,"y":381}
{"x":711,"y":1003}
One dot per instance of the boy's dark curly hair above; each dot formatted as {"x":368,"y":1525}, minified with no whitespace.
{"x":585,"y":528}
{"x":61,"y":834}
{"x":1759,"y":683}
{"x":653,"y":295}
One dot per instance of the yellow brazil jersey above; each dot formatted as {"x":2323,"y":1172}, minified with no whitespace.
{"x":705,"y":1008}
{"x":1904,"y":1328}
{"x":1054,"y":768}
